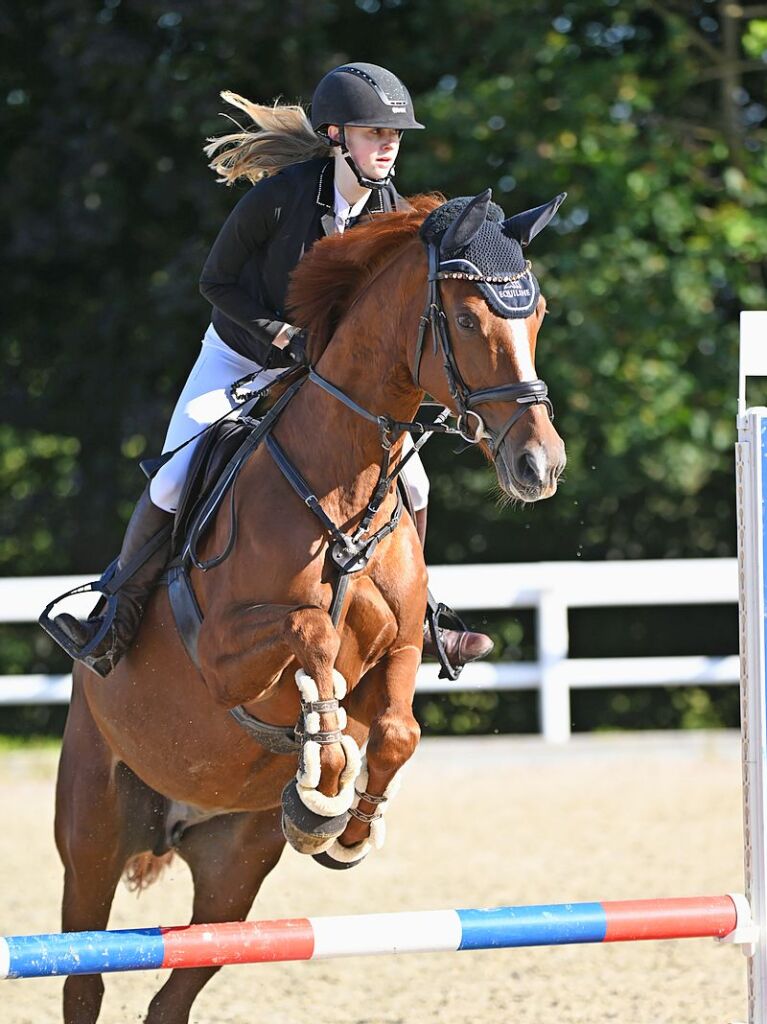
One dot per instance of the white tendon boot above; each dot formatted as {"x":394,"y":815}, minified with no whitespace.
{"x":349,"y":855}
{"x":309,"y":768}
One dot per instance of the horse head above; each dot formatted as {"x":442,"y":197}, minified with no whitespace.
{"x":485,"y":309}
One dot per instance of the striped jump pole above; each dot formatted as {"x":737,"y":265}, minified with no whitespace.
{"x":319,"y":938}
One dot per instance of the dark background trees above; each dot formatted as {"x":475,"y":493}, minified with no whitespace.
{"x":651,"y":114}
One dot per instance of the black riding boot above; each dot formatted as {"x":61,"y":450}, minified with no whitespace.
{"x":146,"y":523}
{"x":461,"y":646}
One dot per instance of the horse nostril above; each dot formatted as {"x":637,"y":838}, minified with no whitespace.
{"x":529,"y":470}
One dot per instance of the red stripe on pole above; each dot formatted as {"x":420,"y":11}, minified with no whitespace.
{"x":687,"y":918}
{"x":238,"y":942}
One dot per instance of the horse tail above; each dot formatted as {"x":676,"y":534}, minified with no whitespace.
{"x":144,"y":869}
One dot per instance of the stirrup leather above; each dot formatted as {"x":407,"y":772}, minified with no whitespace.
{"x":107,"y":609}
{"x":451,"y":620}
{"x":108,"y":586}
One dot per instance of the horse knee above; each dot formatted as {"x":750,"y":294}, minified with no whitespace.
{"x":313,"y":638}
{"x":393,"y":739}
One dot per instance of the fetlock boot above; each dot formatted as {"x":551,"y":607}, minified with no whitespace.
{"x":149,"y":528}
{"x":460,"y":645}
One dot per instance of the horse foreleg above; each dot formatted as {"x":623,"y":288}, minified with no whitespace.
{"x":383,"y":701}
{"x":229,"y":858}
{"x":245,"y":650}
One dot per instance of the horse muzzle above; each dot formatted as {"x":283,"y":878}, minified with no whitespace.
{"x":532,"y":473}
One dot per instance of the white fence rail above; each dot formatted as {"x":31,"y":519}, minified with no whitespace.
{"x":551,"y":588}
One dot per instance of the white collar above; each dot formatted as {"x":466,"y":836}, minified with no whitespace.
{"x":343,"y":209}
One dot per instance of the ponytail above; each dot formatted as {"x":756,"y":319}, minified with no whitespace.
{"x":280,"y":135}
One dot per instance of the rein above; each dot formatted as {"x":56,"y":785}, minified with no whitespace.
{"x":351,"y":554}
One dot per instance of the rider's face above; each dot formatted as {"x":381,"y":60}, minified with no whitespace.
{"x":374,"y":150}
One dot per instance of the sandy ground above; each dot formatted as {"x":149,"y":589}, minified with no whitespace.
{"x":478,"y":823}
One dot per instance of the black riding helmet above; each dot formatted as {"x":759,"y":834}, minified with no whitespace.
{"x":362,"y":95}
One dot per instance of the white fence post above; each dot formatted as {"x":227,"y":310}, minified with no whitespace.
{"x":751,"y":490}
{"x":553,"y":643}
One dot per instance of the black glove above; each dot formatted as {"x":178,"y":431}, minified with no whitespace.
{"x":296,"y":346}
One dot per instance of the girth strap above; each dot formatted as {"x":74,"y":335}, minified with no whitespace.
{"x":277,"y":739}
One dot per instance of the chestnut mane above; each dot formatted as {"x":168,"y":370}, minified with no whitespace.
{"x":329,"y":278}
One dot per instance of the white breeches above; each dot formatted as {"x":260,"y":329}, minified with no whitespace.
{"x":205,"y":398}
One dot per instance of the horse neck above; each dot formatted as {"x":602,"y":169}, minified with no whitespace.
{"x":369,"y":354}
{"x":368,"y":359}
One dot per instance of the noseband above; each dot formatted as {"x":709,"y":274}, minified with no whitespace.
{"x":470,"y":424}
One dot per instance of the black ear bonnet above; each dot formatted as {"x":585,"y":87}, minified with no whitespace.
{"x":488,"y":249}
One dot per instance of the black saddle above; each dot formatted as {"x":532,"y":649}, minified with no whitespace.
{"x":211,"y":457}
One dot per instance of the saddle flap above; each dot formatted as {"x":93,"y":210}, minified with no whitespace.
{"x":210,"y":456}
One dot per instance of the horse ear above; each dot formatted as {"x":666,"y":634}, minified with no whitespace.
{"x":467,"y":223}
{"x":525,"y":226}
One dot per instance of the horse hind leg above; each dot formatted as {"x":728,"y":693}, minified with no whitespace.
{"x":104,"y":814}
{"x":229,"y":857}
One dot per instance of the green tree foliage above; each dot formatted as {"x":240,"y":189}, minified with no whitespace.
{"x":650,"y":114}
{"x":631,"y":109}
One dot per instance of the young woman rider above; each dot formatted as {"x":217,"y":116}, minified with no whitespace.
{"x":308,"y":180}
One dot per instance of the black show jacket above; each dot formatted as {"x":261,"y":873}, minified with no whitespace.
{"x":245,"y":277}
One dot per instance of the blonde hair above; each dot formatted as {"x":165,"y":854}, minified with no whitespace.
{"x":279,"y":135}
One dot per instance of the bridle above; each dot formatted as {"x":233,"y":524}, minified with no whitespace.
{"x":526,"y":394}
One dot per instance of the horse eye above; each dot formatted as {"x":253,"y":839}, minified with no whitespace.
{"x":465,"y":321}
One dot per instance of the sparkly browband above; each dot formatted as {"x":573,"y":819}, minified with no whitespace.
{"x":463,"y":276}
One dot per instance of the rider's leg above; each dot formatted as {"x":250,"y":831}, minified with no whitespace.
{"x":146,"y":523}
{"x":460,"y":646}
{"x":204,"y":399}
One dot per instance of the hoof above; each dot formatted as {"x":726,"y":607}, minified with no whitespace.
{"x":306,"y":831}
{"x":327,"y":861}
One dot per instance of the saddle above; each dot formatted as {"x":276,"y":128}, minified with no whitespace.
{"x":210,"y":458}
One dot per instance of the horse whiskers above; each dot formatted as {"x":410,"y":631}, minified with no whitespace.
{"x":505,"y":501}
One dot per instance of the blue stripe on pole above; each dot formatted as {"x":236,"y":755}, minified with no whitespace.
{"x":533,"y":926}
{"x":38,"y":956}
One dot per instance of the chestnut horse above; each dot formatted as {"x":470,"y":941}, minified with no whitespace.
{"x":152,"y":760}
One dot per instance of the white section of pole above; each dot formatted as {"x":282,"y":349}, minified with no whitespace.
{"x":372,"y":934}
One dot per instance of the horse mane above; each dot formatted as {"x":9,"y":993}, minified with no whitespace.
{"x":332,"y":274}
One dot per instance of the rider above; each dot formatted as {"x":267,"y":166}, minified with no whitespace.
{"x":309,"y":180}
